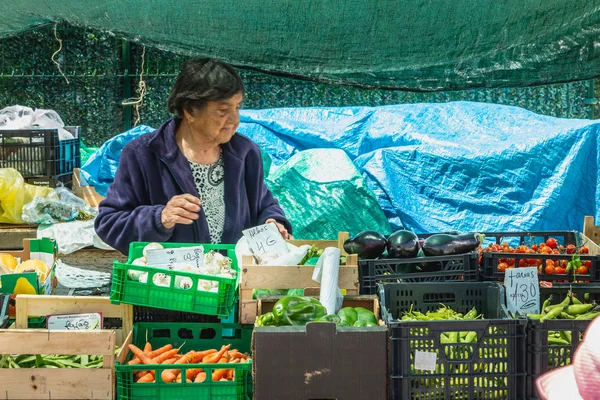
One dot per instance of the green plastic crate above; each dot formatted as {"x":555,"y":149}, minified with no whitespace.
{"x":221,"y":303}
{"x":34,"y":322}
{"x":198,"y":336}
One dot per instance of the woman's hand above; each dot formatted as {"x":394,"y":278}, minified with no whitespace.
{"x":284,"y":233}
{"x":181,"y":209}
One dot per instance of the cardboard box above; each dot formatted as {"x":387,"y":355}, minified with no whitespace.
{"x":320,"y":360}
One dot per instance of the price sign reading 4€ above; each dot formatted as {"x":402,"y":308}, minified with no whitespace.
{"x":522,"y":290}
{"x":265,"y":238}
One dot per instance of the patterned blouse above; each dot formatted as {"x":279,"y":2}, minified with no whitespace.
{"x":209,"y":179}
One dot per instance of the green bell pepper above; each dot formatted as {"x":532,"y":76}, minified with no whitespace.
{"x":357,"y":317}
{"x":329,"y":318}
{"x":297,"y":310}
{"x":265,"y":320}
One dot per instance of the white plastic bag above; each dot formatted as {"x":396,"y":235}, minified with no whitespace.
{"x":327,"y":273}
{"x":19,"y":117}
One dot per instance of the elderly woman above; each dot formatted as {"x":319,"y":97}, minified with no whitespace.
{"x":194,"y":180}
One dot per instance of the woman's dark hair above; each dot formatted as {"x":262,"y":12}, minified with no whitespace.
{"x":202,"y":80}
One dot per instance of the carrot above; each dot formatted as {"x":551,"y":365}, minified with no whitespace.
{"x":219,"y":374}
{"x":169,"y":361}
{"x":198,"y":356}
{"x":169,"y":375}
{"x":223,"y":360}
{"x":140,"y":354}
{"x":236,"y":354}
{"x":230,"y":375}
{"x":201,"y":377}
{"x":158,"y":352}
{"x":146,"y":378}
{"x":152,"y":354}
{"x":164,"y":356}
{"x":147,"y":348}
{"x":191,"y":373}
{"x":214,"y":358}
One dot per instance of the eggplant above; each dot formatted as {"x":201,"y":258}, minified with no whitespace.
{"x":367,"y":244}
{"x":445,"y":245}
{"x":403,"y":244}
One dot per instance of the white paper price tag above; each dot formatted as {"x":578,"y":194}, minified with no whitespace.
{"x":166,"y":258}
{"x":425,"y":361}
{"x":74,"y":322}
{"x":265,"y":238}
{"x":522,"y":290}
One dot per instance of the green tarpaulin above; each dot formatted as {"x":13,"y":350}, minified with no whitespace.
{"x":413,"y":44}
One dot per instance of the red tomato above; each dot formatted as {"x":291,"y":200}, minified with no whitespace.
{"x":549,"y":270}
{"x":512,"y":261}
{"x":584,"y":250}
{"x":570,"y":249}
{"x":555,"y":251}
{"x":522,"y":263}
{"x":534,"y":247}
{"x":588,"y":264}
{"x":552,"y":243}
{"x":560,"y":271}
{"x":502,"y":267}
{"x":582,"y":270}
{"x":547,"y":250}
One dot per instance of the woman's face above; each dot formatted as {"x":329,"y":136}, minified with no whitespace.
{"x":217,"y":120}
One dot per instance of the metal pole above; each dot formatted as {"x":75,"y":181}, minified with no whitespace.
{"x":125,"y":63}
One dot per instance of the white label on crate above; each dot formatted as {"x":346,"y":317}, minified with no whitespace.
{"x":166,"y":258}
{"x":74,"y":322}
{"x":425,"y":361}
{"x":265,"y":238}
{"x":522,"y":290}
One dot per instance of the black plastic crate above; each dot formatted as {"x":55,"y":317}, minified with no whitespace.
{"x":490,"y":261}
{"x":149,"y":314}
{"x":40,"y":153}
{"x":543,"y":357}
{"x":528,"y":238}
{"x":460,"y":267}
{"x":52,"y":181}
{"x":492,"y":368}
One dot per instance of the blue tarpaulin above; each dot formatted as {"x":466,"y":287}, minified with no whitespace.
{"x":438,"y":167}
{"x":456,"y":166}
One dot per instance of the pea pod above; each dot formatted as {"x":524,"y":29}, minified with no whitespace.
{"x":564,"y":315}
{"x":579,"y":309}
{"x":552,"y":341}
{"x":471,"y":337}
{"x":535,"y":316}
{"x":575,"y":300}
{"x":555,"y":312}
{"x":472,"y":314}
{"x":566,"y":335}
{"x":547,"y":303}
{"x":589,"y":315}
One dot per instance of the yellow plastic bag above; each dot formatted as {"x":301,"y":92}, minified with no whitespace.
{"x":14,"y":194}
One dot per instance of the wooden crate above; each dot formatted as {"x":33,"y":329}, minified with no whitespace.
{"x":291,"y":277}
{"x":36,"y":306}
{"x":82,"y":190}
{"x":591,"y":231}
{"x":67,"y":383}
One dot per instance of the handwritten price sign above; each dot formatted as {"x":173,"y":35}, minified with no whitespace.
{"x":522,"y":290}
{"x":75,"y":322}
{"x":265,"y":238}
{"x":166,"y":258}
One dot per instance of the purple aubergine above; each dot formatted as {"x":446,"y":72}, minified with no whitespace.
{"x":403,"y":244}
{"x":367,"y":244}
{"x":445,"y":245}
